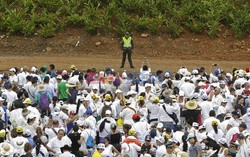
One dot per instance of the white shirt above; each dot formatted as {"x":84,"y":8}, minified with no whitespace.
{"x":221,"y":110}
{"x":154,"y":110}
{"x":206,"y":107}
{"x":108,"y":151}
{"x":43,"y":150}
{"x":208,"y":123}
{"x":163,"y":116}
{"x":51,"y":134}
{"x":234,"y":122}
{"x":67,"y":154}
{"x":161,"y":150}
{"x":246,"y":120}
{"x":61,"y":117}
{"x":126,"y":115}
{"x":55,"y":144}
{"x":13,"y":78}
{"x":188,"y":89}
{"x":11,"y":96}
{"x":230,"y":134}
{"x":216,"y":101}
{"x":217,"y":136}
{"x":141,"y":129}
{"x":178,"y":136}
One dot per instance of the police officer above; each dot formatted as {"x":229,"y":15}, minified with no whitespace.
{"x":127,"y":47}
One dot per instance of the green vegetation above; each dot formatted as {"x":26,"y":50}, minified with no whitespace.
{"x":47,"y":17}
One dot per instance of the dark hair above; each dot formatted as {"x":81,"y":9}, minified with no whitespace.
{"x":145,"y":67}
{"x":102,"y":125}
{"x":75,"y":128}
{"x":215,"y":127}
{"x":29,"y":78}
{"x":46,"y":79}
{"x":80,"y":77}
{"x":42,"y":69}
{"x":185,"y":145}
{"x":65,"y":77}
{"x":34,"y":80}
{"x":54,"y":99}
{"x":212,"y":113}
{"x":38,"y":143}
{"x":52,"y":66}
{"x":243,"y":125}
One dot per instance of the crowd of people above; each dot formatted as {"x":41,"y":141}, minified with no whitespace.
{"x":197,"y":113}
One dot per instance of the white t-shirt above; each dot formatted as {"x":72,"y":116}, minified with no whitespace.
{"x":206,"y":107}
{"x":108,"y":151}
{"x":208,"y":123}
{"x":246,"y":120}
{"x":43,"y":150}
{"x":141,"y":129}
{"x":55,"y":144}
{"x":67,"y":154}
{"x":234,"y":122}
{"x":221,"y":110}
{"x":188,"y":89}
{"x":161,"y":150}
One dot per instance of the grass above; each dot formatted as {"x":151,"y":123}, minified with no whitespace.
{"x":47,"y":17}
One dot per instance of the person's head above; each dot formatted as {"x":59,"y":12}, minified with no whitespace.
{"x":159,"y":127}
{"x":235,"y":114}
{"x":145,"y":67}
{"x":148,"y":140}
{"x":127,"y":34}
{"x":113,"y":127}
{"x":191,"y":138}
{"x":224,"y":102}
{"x":126,"y":128}
{"x":100,"y":147}
{"x":217,"y":91}
{"x":242,"y":127}
{"x":240,"y":100}
{"x":52,"y":67}
{"x":136,"y":117}
{"x":212,"y":113}
{"x":28,"y":148}
{"x":159,"y":140}
{"x":19,"y":130}
{"x":60,"y":134}
{"x":170,"y":147}
{"x":223,"y":143}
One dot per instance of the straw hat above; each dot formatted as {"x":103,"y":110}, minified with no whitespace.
{"x":7,"y":149}
{"x":71,"y":83}
{"x":191,"y":105}
{"x":25,"y":112}
{"x":41,"y":87}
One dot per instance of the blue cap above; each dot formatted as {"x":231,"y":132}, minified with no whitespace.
{"x":5,"y":76}
{"x":88,"y":111}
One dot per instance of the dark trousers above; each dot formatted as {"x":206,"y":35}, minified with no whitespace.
{"x":125,"y":52}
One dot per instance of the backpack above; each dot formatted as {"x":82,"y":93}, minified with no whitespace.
{"x":105,"y":108}
{"x":44,"y":100}
{"x":90,"y":141}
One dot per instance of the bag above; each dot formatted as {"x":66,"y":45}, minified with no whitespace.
{"x":119,"y":121}
{"x":173,"y":115}
{"x":44,"y":100}
{"x":90,"y":141}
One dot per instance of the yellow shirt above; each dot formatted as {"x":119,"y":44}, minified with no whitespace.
{"x":97,"y":154}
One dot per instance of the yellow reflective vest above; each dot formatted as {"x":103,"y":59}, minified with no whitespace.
{"x":127,"y":42}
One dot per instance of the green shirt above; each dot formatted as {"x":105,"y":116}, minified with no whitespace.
{"x":62,"y":90}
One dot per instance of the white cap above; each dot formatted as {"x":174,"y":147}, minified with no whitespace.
{"x":245,"y":133}
{"x":12,"y":69}
{"x":59,"y":77}
{"x":159,"y":125}
{"x":101,"y":146}
{"x":108,"y":112}
{"x":224,"y":101}
{"x":195,"y":124}
{"x":160,"y":139}
{"x":118,"y":91}
{"x":1,"y":98}
{"x":33,"y":69}
{"x":202,"y":137}
{"x":167,"y":74}
{"x":195,"y":72}
{"x":133,"y":92}
{"x":181,"y":93}
{"x":95,"y":87}
{"x":31,"y":116}
{"x":222,"y":141}
{"x":248,"y":111}
{"x":27,"y":132}
{"x":147,"y":85}
{"x":204,"y":96}
{"x":201,"y":84}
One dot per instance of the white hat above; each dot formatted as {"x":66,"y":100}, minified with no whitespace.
{"x":160,"y":139}
{"x":124,"y":75}
{"x":167,"y":74}
{"x":31,"y":116}
{"x":195,"y":72}
{"x":94,"y":87}
{"x":222,"y":82}
{"x":201,"y":84}
{"x":159,"y":125}
{"x":204,"y":96}
{"x":224,"y":101}
{"x":245,"y":133}
{"x":215,"y":79}
{"x":108,"y":112}
{"x":101,"y":146}
{"x":7,"y":149}
{"x":59,"y":77}
{"x":84,"y":92}
{"x":201,"y":127}
{"x":12,"y":70}
{"x":65,"y":106}
{"x":27,"y":132}
{"x":202,"y":137}
{"x":118,"y":91}
{"x":33,"y":69}
{"x":147,"y":85}
{"x":195,"y":124}
{"x":181,"y":93}
{"x":57,"y":110}
{"x":128,"y":101}
{"x":133,"y":92}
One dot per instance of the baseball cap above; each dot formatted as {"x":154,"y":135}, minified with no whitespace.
{"x":159,"y":125}
{"x":222,"y":141}
{"x":59,"y":77}
{"x":181,"y":93}
{"x":201,"y":84}
{"x":135,"y":116}
{"x":195,"y":124}
{"x":148,"y":138}
{"x":224,"y":101}
{"x":107,"y":97}
{"x":147,"y":85}
{"x":215,"y":122}
{"x":101,"y":146}
{"x":156,"y":99}
{"x":190,"y":135}
{"x":169,"y":144}
{"x":160,"y":139}
{"x":108,"y":112}
{"x":12,"y":70}
{"x":236,"y":113}
{"x":222,"y":82}
{"x":118,"y":91}
{"x":204,"y":96}
{"x":27,"y":101}
{"x":131,"y":132}
{"x":95,"y":87}
{"x":195,"y":72}
{"x":2,"y":133}
{"x":201,"y":127}
{"x":19,"y":129}
{"x":140,"y":98}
